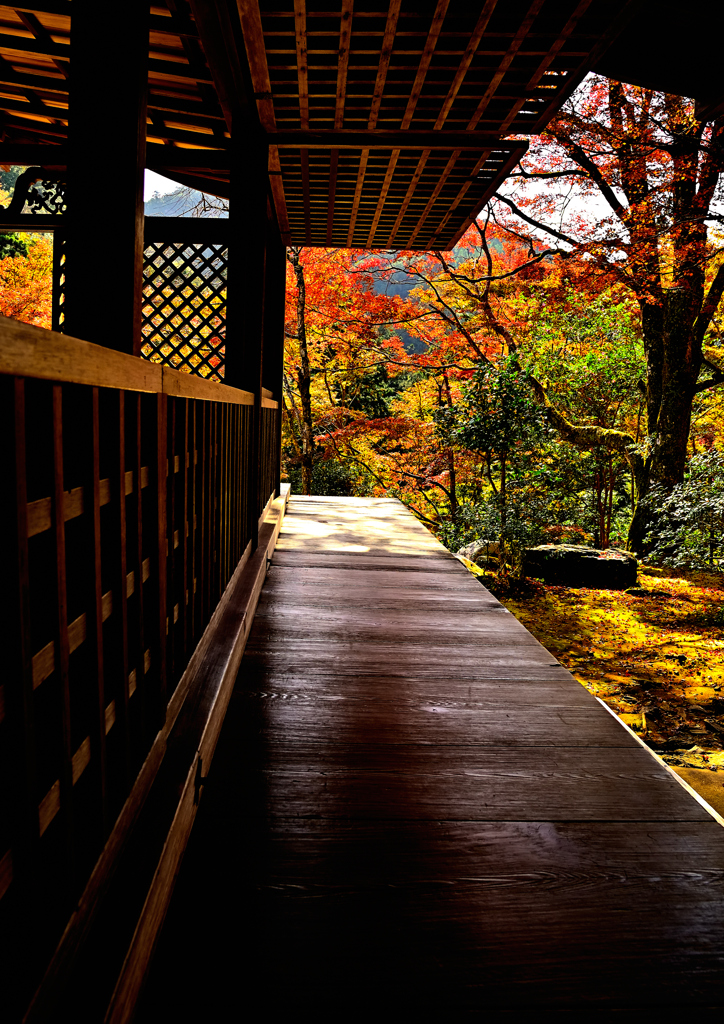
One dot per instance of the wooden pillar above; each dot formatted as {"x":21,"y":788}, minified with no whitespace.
{"x":107,"y":156}
{"x":273,"y":353}
{"x":246,"y":289}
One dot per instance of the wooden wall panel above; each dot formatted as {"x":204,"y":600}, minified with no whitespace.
{"x":137,"y":505}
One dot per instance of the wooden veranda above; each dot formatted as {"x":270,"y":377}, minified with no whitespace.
{"x":142,"y":434}
{"x":415,"y":809}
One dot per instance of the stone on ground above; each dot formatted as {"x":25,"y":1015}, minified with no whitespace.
{"x":571,"y":565}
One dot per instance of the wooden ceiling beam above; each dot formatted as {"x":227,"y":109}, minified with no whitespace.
{"x":32,"y":105}
{"x":414,"y":181}
{"x":589,"y":59}
{"x":357,"y":193}
{"x":35,"y":26}
{"x":178,"y":69}
{"x":277,"y":190}
{"x":250,"y":19}
{"x":46,"y":83}
{"x":388,"y":41}
{"x":55,"y":7}
{"x":207,"y":26}
{"x":466,"y":60}
{"x":189,"y":40}
{"x":543,"y":66}
{"x":430,"y":43}
{"x":331,"y":192}
{"x":300,"y":33}
{"x":305,"y":196}
{"x":188,"y":136}
{"x":169,"y":157}
{"x":435,"y":193}
{"x":383,"y":196}
{"x":215,"y":125}
{"x":35,"y":128}
{"x":505,"y":63}
{"x":28,"y":154}
{"x":38,"y":48}
{"x":502,"y":173}
{"x":400,"y":140}
{"x":193,"y":108}
{"x":177,"y":25}
{"x":218,"y":32}
{"x":345,"y":32}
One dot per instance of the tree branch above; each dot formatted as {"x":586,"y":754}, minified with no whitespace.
{"x":594,"y":173}
{"x":536,"y":223}
{"x":582,"y":435}
{"x":522,"y":173}
{"x":710,"y":305}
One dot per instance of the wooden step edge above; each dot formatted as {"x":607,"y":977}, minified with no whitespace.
{"x":207,"y":684}
{"x":234,"y":628}
{"x":682,"y":782}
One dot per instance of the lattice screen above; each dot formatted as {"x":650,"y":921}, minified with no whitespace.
{"x":58,"y":301}
{"x":184,"y":306}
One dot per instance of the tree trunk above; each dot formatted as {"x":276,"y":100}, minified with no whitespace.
{"x":673,"y":365}
{"x":451,"y":456}
{"x":503,"y":513}
{"x":304,"y":376}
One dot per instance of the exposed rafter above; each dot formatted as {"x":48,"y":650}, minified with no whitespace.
{"x":386,"y":124}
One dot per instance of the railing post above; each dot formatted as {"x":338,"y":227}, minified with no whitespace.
{"x":108,"y":86}
{"x":161,"y":554}
{"x":273,"y":361}
{"x":248,"y":213}
{"x":18,"y":681}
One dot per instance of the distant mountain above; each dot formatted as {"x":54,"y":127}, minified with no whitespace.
{"x":184,"y":202}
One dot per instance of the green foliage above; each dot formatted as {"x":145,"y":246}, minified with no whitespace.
{"x":499,"y":416}
{"x":371,"y":392}
{"x":9,"y":177}
{"x":328,"y":477}
{"x":590,"y":357}
{"x":12,"y":245}
{"x":519,"y":521}
{"x":469,"y":524}
{"x":688,"y":523}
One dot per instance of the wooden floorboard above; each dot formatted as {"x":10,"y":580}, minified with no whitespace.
{"x":414,"y":808}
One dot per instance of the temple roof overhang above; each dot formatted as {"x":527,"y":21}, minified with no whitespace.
{"x":388,"y":125}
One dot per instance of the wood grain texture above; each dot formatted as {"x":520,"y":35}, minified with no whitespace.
{"x":30,"y":351}
{"x":414,"y":806}
{"x":110,"y":936}
{"x":408,"y":72}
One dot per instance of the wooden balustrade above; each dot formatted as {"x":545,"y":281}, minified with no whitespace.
{"x":127,"y":511}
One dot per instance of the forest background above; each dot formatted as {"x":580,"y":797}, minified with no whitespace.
{"x":555,"y":378}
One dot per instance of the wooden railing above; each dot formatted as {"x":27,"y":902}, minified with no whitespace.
{"x":132,"y":501}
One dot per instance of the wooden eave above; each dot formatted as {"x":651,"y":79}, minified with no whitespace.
{"x":389,"y":125}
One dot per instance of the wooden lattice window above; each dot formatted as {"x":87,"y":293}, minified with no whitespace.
{"x":184,"y":306}
{"x":59,"y":257}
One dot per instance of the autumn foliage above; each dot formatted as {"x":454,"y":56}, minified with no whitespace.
{"x":592,"y":286}
{"x":26,"y":283}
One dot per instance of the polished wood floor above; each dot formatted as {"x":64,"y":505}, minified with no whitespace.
{"x":415,"y":808}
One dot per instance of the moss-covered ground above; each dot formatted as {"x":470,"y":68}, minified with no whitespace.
{"x":655,"y":656}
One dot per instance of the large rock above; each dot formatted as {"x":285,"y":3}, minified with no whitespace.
{"x":570,"y":565}
{"x":480,"y":549}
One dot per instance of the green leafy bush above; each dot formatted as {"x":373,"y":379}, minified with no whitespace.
{"x":688,"y":523}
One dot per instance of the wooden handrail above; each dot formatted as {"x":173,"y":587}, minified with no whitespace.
{"x":212,"y":230}
{"x":133,"y":497}
{"x":28,"y":351}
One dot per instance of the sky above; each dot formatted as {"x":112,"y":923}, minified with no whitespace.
{"x":157,"y":183}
